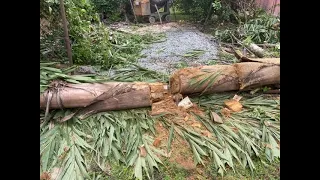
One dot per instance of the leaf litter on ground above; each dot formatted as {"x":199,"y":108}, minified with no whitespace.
{"x":251,"y":132}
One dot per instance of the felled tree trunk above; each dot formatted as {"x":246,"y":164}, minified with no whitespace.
{"x":102,"y":97}
{"x":220,"y":78}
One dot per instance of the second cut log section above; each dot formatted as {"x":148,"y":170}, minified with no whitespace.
{"x":220,"y":78}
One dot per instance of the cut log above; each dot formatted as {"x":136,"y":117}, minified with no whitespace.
{"x":97,"y":97}
{"x":256,"y":50}
{"x":107,"y":96}
{"x":252,"y":74}
{"x":220,"y":78}
{"x":190,"y":80}
{"x":75,"y":95}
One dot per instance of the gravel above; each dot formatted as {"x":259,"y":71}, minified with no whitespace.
{"x":167,"y":56}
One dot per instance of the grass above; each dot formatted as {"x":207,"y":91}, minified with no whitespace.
{"x":171,"y":170}
{"x":263,"y":171}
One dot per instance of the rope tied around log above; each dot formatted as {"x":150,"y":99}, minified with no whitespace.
{"x":54,"y":88}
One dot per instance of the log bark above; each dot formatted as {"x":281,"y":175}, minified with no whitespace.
{"x":239,"y":76}
{"x":227,"y":80}
{"x":253,"y":74}
{"x":97,"y":97}
{"x":106,"y":96}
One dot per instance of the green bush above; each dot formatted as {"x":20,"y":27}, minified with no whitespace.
{"x":92,"y":42}
{"x":112,"y":8}
{"x":258,"y":30}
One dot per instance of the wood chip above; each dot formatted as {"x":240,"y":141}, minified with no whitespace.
{"x":226,"y":112}
{"x":216,"y":118}
{"x":185,"y":103}
{"x":237,"y":98}
{"x":157,"y":142}
{"x":143,"y":151}
{"x":233,"y":105}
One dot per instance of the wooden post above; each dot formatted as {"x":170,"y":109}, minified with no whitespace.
{"x":65,"y":30}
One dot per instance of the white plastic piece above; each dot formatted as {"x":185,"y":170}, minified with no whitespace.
{"x":185,"y":103}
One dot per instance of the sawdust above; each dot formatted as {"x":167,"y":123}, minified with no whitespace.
{"x":158,"y":91}
{"x":180,"y":151}
{"x":182,"y":117}
{"x":233,"y":105}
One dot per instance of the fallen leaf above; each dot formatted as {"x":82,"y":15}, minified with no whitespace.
{"x":216,"y":118}
{"x":237,"y":98}
{"x":66,"y":149}
{"x":234,"y":129}
{"x":168,"y":154}
{"x":156,"y":142}
{"x":66,"y":118}
{"x":45,"y":176}
{"x":233,"y":105}
{"x":186,"y":118}
{"x":226,"y":112}
{"x":143,"y":152}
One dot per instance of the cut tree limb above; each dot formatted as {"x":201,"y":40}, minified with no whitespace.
{"x":256,"y":50}
{"x":239,"y":76}
{"x":243,"y":58}
{"x":102,"y":97}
